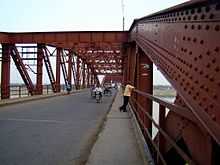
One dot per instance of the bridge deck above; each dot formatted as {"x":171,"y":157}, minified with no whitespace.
{"x":51,"y":131}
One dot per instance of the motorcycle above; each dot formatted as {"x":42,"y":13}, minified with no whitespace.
{"x":93,"y":93}
{"x":107,"y":92}
{"x":98,"y":97}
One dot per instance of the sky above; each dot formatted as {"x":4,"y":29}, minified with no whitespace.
{"x":77,"y":15}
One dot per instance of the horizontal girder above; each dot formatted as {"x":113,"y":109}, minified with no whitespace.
{"x":92,"y":40}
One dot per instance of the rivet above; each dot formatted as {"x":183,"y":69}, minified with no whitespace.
{"x":211,"y":16}
{"x":217,"y":28}
{"x":213,"y":117}
{"x":215,"y":97}
{"x":195,"y":17}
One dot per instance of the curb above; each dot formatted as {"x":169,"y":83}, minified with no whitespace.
{"x":33,"y":98}
{"x":143,"y":146}
{"x":92,"y":137}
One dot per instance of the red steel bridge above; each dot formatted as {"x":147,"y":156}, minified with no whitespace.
{"x":182,"y":41}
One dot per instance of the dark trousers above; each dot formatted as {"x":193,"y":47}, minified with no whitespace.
{"x":125,"y":103}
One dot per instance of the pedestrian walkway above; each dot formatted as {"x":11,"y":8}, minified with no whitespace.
{"x":116,"y":144}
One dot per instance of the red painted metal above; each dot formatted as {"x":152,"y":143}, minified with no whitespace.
{"x":78,"y":40}
{"x":49,"y":69}
{"x":194,"y":82}
{"x":63,"y":66}
{"x":183,"y":43}
{"x":70,"y":59}
{"x":88,"y":77}
{"x":83,"y":75}
{"x":4,"y":38}
{"x":5,"y":75}
{"x":139,"y":71}
{"x":98,"y":47}
{"x":74,"y":71}
{"x":77,"y":73}
{"x":58,"y":63}
{"x":115,"y":78}
{"x":21,"y":68}
{"x":165,"y":135}
{"x":39,"y":85}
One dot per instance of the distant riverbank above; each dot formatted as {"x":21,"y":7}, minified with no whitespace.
{"x":164,"y":91}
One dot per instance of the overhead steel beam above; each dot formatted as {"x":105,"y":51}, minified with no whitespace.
{"x":68,"y":39}
{"x":4,"y":37}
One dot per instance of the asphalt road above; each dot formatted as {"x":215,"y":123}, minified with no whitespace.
{"x":49,"y":131}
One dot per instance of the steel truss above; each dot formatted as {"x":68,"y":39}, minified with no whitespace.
{"x":183,"y":42}
{"x":80,"y":76}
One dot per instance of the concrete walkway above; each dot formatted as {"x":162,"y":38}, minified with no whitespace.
{"x":116,"y":144}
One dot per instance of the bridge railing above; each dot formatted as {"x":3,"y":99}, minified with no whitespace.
{"x":17,"y":91}
{"x":157,"y":142}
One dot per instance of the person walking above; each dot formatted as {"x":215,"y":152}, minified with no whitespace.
{"x":126,"y":95}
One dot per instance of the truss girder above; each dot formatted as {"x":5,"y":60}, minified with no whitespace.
{"x":183,"y":42}
{"x":22,"y":69}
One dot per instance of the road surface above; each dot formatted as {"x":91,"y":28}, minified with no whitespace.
{"x":50,"y":131}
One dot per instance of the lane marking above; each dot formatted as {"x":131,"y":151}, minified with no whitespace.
{"x":33,"y":120}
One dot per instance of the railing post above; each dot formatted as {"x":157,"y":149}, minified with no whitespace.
{"x":19,"y":91}
{"x":47,"y":89}
{"x":161,"y":139}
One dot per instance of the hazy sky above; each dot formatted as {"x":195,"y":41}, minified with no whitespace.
{"x":63,"y":15}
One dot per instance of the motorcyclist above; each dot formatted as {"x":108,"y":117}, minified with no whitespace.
{"x":98,"y":90}
{"x":68,"y":88}
{"x":92,"y":91}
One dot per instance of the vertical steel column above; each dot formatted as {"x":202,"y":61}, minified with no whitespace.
{"x":58,"y":63}
{"x":39,"y":86}
{"x":145,"y":84}
{"x":78,"y":73}
{"x":70,"y":59}
{"x":96,"y":79}
{"x":88,"y":77}
{"x":5,"y":76}
{"x":124,"y":51}
{"x":133,"y":59}
{"x":92,"y":79}
{"x":133,"y":72}
{"x":74,"y":69}
{"x":129,"y":54}
{"x":83,"y":75}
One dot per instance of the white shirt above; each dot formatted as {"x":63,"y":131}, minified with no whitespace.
{"x":98,"y":89}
